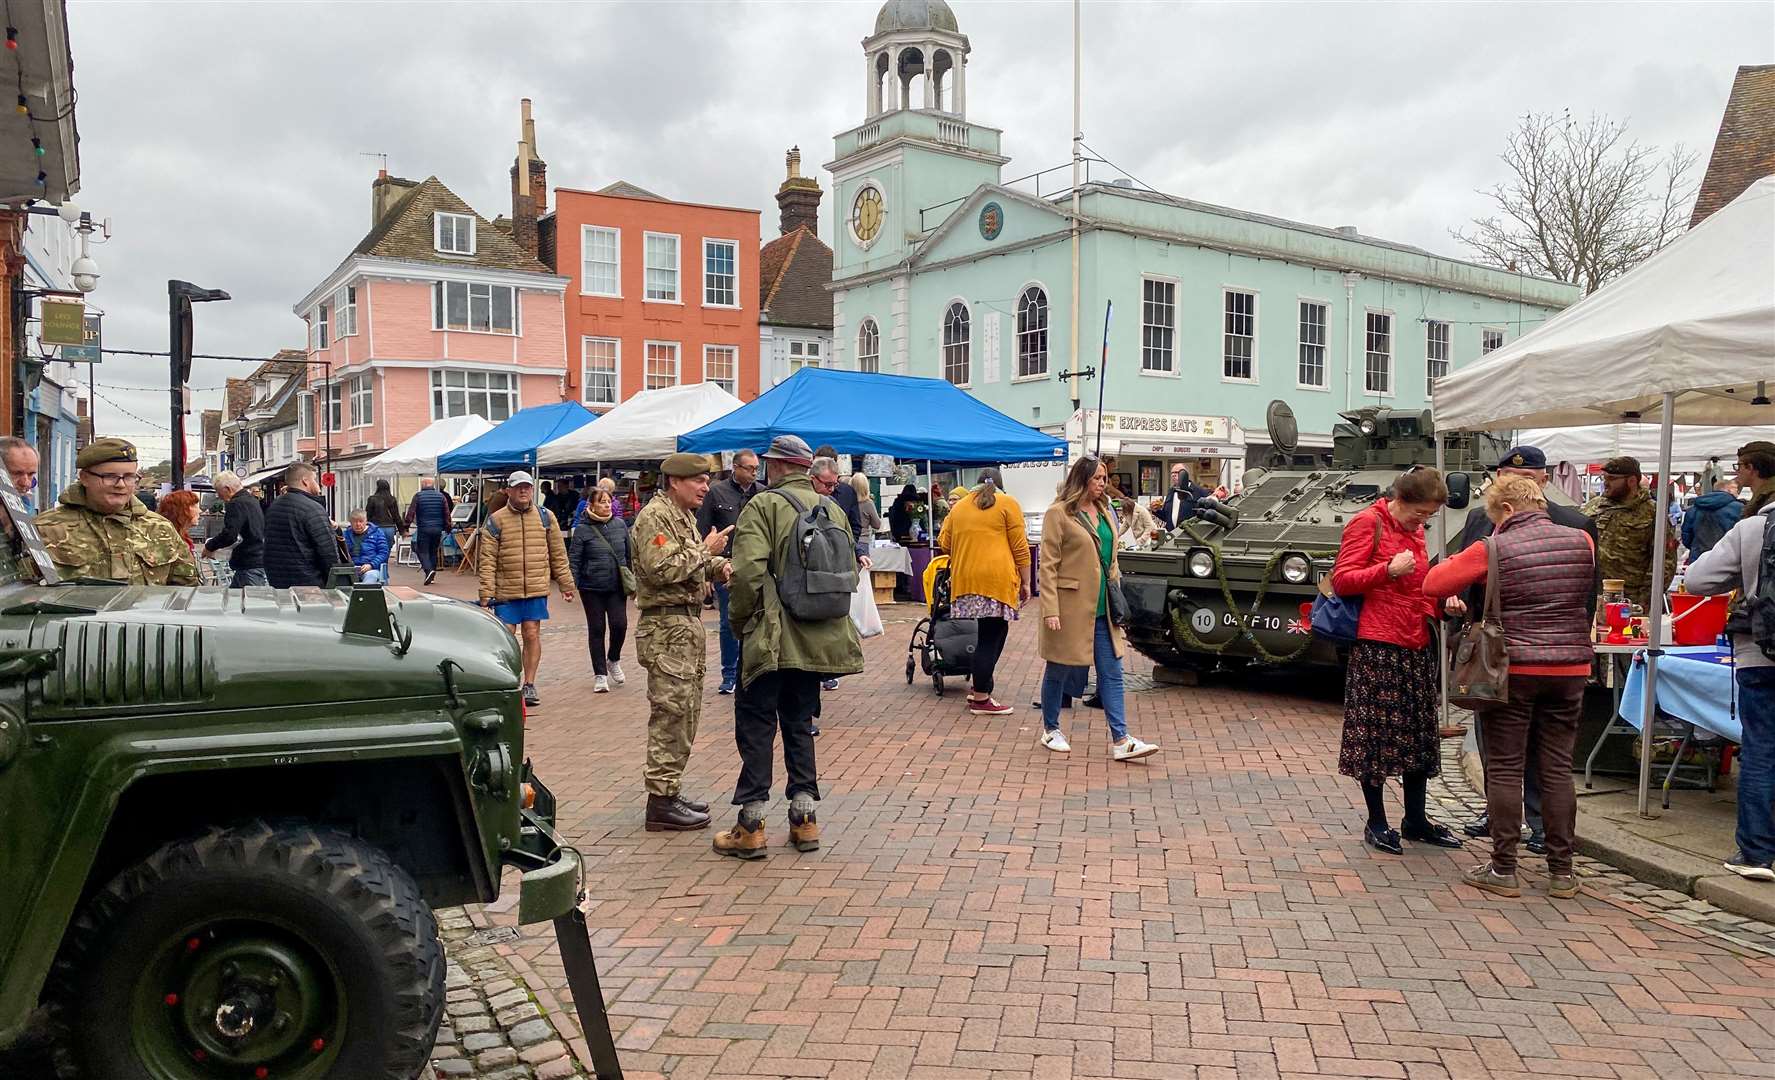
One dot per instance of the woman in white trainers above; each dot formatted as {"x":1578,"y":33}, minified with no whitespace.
{"x":599,"y":555}
{"x":1077,"y":568}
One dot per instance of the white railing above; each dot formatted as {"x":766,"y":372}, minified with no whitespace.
{"x":950,"y":131}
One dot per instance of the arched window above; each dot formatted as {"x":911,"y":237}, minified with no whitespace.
{"x":955,"y":344}
{"x":1032,"y":332}
{"x":868,"y":346}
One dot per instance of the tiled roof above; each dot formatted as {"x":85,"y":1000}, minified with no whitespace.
{"x":406,"y":233}
{"x":212,"y":428}
{"x":794,"y":271}
{"x":1744,"y":150}
{"x":628,"y":191}
{"x":237,"y":397}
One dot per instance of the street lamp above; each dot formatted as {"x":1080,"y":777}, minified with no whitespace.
{"x":180,"y":295}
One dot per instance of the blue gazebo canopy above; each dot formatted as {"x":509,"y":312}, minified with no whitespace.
{"x":512,"y":445}
{"x":861,"y":413}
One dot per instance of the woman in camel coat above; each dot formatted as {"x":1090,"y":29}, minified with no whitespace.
{"x":1078,"y":553}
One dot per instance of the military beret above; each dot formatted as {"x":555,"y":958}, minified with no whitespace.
{"x":1621,"y":466}
{"x":682,"y":464}
{"x":105,"y":451}
{"x":1524,"y":457}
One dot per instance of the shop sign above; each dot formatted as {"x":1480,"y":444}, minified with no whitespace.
{"x":89,"y":350}
{"x":63,"y":323}
{"x":1158,"y":427}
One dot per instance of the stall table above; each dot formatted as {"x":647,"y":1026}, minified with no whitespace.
{"x":1695,"y":689}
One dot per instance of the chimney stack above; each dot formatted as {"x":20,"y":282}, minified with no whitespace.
{"x":385,"y":191}
{"x":799,"y":197}
{"x":530,"y":184}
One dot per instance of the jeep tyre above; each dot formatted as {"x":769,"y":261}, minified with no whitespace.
{"x":282,"y":951}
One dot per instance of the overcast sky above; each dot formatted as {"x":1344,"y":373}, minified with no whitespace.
{"x":226,"y":141}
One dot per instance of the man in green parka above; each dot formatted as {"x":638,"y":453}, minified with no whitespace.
{"x":782,"y":658}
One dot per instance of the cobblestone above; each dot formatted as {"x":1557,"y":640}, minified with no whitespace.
{"x":487,"y":1043}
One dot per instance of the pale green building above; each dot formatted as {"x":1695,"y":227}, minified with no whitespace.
{"x":940,"y":269}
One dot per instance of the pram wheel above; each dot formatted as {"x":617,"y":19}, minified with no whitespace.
{"x":910,"y":668}
{"x":937,"y":680}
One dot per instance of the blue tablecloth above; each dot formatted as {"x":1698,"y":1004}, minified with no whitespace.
{"x":1694,"y":684}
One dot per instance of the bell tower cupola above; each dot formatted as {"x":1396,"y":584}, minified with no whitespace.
{"x":916,"y":59}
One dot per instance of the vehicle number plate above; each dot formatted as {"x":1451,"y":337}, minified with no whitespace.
{"x":1253,"y":620}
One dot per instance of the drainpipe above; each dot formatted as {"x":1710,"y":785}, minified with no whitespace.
{"x":1350,"y":280}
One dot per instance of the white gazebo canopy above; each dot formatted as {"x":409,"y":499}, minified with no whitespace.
{"x":418,"y":455}
{"x":1696,"y":320}
{"x":644,"y":428}
{"x":1691,"y":446}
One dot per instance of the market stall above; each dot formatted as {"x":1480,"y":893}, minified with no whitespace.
{"x":418,"y":455}
{"x":513,"y":444}
{"x":1687,"y":337}
{"x":1691,"y":447}
{"x":643,"y":428}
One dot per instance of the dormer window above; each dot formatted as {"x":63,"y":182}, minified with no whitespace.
{"x":453,"y":234}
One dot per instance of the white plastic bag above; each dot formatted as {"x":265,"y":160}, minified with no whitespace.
{"x":863,"y":610}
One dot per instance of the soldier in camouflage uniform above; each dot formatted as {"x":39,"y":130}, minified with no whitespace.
{"x":673,"y":567}
{"x":1626,"y":524}
{"x":99,"y":529}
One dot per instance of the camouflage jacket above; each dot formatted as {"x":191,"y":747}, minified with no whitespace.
{"x":670,"y":562}
{"x":1626,"y":531}
{"x":134,"y":545}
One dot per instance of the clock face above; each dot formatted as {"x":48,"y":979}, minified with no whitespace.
{"x":866,"y":215}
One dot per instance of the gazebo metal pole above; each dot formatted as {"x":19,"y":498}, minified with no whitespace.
{"x":930,"y":501}
{"x":1655,"y":607}
{"x":1439,"y":534}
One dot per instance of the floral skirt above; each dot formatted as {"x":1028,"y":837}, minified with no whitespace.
{"x":975,"y":606}
{"x":1391,"y":697}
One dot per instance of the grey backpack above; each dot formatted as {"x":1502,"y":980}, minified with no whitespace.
{"x":819,"y":571}
{"x":1754,"y":614}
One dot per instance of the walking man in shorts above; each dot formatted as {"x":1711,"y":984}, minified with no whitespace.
{"x":520,"y":551}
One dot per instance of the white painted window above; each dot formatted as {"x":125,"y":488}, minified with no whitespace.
{"x":603,"y":359}
{"x":868,"y":346}
{"x":491,"y":395}
{"x":1238,"y":359}
{"x":345,"y":311}
{"x":1378,"y":371}
{"x":363,"y":399}
{"x":662,"y":267}
{"x":721,"y":273}
{"x":803,"y":354}
{"x":1490,"y":340}
{"x":305,"y":415}
{"x":1158,"y":325}
{"x":600,"y":270}
{"x":486,"y":309}
{"x":721,"y":366}
{"x":662,"y":364}
{"x":1312,"y":343}
{"x":1032,"y":332}
{"x":333,"y":415}
{"x":1435,"y":354}
{"x":320,"y":327}
{"x":453,"y":234}
{"x":955,"y":344}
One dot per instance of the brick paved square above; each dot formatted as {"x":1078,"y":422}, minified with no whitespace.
{"x":981,"y":908}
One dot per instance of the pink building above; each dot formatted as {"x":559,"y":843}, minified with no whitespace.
{"x":437,"y":312}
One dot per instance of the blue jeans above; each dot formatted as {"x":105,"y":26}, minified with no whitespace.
{"x":388,"y":533}
{"x":425,"y":545}
{"x":1756,"y":764}
{"x":243,"y":578}
{"x":730,"y":645}
{"x":1058,"y":679}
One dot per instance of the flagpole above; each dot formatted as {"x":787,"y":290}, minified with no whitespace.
{"x":1077,"y":145}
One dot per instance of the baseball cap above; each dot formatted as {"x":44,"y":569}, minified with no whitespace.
{"x":519,"y":478}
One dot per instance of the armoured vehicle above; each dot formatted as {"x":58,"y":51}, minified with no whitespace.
{"x":1234,"y":587}
{"x":228,"y":814}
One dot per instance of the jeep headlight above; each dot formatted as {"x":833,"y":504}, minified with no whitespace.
{"x":1367,"y":427}
{"x":1295,"y":569}
{"x":1201,"y":564}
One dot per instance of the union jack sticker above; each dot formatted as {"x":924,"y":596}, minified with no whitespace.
{"x":1300,"y":626}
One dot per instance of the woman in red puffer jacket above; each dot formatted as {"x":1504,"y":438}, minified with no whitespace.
{"x":1392,"y":686}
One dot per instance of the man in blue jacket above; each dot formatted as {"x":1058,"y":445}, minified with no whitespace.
{"x":368,"y":549}
{"x":1711,"y":517}
{"x":430,"y":514}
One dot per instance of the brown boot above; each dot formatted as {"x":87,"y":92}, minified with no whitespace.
{"x":668,"y":813}
{"x":741,"y":842}
{"x":804,"y":831}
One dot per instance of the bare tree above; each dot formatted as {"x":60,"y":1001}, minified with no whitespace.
{"x":1584,"y":202}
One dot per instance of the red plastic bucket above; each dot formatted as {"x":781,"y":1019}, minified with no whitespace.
{"x":1699,"y":619}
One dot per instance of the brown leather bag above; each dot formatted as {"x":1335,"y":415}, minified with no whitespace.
{"x":1480,"y":673}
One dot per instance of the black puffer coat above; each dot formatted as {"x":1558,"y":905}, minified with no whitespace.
{"x":594,"y":564}
{"x":300,"y":544}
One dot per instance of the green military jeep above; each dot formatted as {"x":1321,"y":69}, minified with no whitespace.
{"x":226,"y":816}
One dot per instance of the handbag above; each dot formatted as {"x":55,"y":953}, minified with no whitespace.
{"x":1118,"y":602}
{"x":1335,"y":617}
{"x":1480,"y":673}
{"x":623,"y":573}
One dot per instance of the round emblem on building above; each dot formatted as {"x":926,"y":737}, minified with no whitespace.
{"x":866,"y":215}
{"x":992,"y":220}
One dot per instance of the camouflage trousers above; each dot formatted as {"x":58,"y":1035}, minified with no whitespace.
{"x":673,"y":649}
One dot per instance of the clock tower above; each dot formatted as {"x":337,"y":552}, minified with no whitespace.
{"x":904,"y":169}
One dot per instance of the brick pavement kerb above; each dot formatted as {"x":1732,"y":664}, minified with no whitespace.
{"x":493,"y":1028}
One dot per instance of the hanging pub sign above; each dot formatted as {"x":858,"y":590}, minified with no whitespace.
{"x":89,"y":351}
{"x":63,"y":323}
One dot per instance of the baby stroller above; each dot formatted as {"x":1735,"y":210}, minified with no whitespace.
{"x":943,"y":646}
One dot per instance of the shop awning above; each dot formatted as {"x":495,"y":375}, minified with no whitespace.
{"x":861,"y":413}
{"x":512,"y":445}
